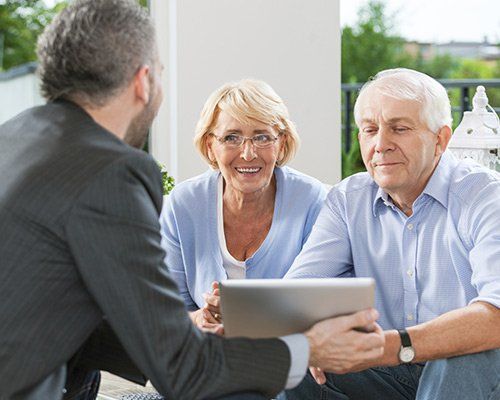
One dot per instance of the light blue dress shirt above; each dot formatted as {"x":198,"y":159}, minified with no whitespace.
{"x":446,"y":255}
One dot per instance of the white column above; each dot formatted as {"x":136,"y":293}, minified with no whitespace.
{"x":294,"y":45}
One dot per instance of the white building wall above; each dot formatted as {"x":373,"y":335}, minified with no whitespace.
{"x":18,"y":94}
{"x":292,"y":44}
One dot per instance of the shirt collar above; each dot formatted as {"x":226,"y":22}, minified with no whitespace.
{"x":437,"y":187}
{"x":381,"y":198}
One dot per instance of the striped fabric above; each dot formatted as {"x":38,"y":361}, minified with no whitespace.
{"x":442,"y":257}
{"x":80,"y":240}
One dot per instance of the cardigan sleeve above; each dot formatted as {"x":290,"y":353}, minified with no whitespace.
{"x":173,"y":257}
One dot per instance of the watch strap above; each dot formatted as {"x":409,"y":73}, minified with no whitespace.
{"x":405,"y":338}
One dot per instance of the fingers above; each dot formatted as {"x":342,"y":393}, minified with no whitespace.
{"x":318,"y":375}
{"x":213,"y":304}
{"x":345,"y":344}
{"x":212,"y":299}
{"x":361,"y":319}
{"x":216,"y":329}
{"x":210,"y":317}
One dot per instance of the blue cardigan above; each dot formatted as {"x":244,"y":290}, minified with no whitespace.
{"x":189,"y":229}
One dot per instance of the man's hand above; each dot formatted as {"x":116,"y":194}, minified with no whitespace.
{"x":345,"y":344}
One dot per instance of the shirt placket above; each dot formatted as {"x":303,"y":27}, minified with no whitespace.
{"x":409,"y":250}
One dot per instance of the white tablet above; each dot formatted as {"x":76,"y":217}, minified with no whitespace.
{"x":263,"y":308}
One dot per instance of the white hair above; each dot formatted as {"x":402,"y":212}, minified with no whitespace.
{"x":408,"y":84}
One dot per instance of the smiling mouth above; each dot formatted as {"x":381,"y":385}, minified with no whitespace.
{"x":252,"y":170}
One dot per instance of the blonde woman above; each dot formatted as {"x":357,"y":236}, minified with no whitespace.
{"x":249,"y":215}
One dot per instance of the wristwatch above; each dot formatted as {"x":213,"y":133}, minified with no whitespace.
{"x":406,"y":353}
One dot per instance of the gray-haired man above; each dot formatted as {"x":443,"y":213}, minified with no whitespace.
{"x":80,"y":239}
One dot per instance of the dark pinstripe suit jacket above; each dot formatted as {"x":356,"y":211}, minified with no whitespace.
{"x":79,"y":240}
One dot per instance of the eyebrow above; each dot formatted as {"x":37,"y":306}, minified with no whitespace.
{"x":255,"y":131}
{"x":390,"y":121}
{"x":401,"y":119}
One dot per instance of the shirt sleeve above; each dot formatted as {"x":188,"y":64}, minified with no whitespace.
{"x":173,"y":253}
{"x":299,"y":358}
{"x":483,"y":230}
{"x":327,"y":252}
{"x":314,"y":211}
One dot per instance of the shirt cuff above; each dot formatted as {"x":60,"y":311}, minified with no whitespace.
{"x":299,"y":358}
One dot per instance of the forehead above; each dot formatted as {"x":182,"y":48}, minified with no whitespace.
{"x":226,"y":121}
{"x":379,"y":108}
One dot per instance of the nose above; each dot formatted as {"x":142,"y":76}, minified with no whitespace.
{"x":248,"y":151}
{"x":383,"y":141}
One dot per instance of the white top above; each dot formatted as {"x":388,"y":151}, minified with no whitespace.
{"x":235,"y":269}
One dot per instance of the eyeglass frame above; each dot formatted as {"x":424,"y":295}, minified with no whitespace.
{"x":220,"y":138}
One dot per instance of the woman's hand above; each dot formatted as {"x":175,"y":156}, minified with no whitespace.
{"x":209,"y":318}
{"x":212,"y":302}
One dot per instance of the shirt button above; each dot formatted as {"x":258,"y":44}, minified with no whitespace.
{"x":410,"y":272}
{"x":409,"y":317}
{"x":410,"y":227}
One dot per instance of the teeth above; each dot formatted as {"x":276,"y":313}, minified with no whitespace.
{"x":248,"y":170}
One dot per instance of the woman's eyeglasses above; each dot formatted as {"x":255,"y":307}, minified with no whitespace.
{"x":233,"y":141}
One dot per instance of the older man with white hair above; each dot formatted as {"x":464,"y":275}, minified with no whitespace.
{"x":425,"y":226}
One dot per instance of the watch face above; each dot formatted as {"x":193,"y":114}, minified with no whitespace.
{"x":406,"y":354}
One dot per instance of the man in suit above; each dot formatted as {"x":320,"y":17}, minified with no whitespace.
{"x":80,"y":250}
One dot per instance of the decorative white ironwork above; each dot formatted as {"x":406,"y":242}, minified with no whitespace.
{"x":478,"y":135}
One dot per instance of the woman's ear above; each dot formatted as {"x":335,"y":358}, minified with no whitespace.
{"x":210,"y":153}
{"x":283,"y":143}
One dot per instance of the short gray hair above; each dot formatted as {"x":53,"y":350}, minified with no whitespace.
{"x":408,"y":84}
{"x":93,"y":48}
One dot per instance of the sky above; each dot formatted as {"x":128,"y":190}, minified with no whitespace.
{"x":437,"y":21}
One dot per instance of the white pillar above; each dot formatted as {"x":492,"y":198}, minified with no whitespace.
{"x":294,"y":45}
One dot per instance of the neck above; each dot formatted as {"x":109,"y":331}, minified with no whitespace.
{"x":405,"y":205}
{"x":115,"y":115}
{"x":249,"y":204}
{"x":404,"y":200}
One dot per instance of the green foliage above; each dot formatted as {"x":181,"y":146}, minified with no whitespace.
{"x":440,"y":66}
{"x":351,"y":161}
{"x":373,"y":45}
{"x":168,"y":182}
{"x":21,"y":21}
{"x":370,"y":46}
{"x":475,"y":69}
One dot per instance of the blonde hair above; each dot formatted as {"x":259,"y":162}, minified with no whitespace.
{"x":247,"y":100}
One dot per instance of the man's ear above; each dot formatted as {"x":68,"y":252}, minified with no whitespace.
{"x":142,"y":86}
{"x":443,"y":138}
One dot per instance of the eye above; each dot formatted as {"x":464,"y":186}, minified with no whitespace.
{"x":400,"y":129}
{"x":263,"y":139}
{"x":370,"y":130}
{"x":231,"y":139}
